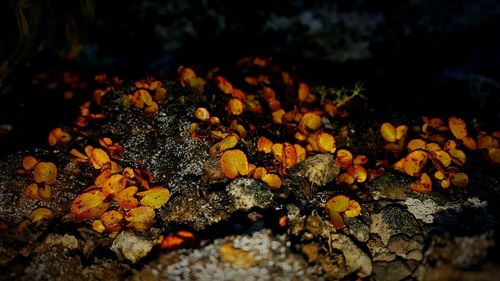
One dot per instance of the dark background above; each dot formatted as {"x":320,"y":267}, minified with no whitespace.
{"x":427,"y":57}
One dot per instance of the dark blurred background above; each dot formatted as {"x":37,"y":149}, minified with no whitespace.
{"x":429,"y":57}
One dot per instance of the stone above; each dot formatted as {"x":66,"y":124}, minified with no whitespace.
{"x":393,"y":220}
{"x":247,"y":193}
{"x":319,"y":169}
{"x":390,"y":271}
{"x":356,"y":261}
{"x":128,"y":245}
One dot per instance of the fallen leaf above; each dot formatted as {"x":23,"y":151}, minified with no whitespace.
{"x":140,"y":218}
{"x":113,"y":184}
{"x":459,"y":179}
{"x":326,"y":142}
{"x":388,"y":132}
{"x":344,"y":158}
{"x":234,"y":163}
{"x":229,"y":142}
{"x":423,"y":185}
{"x":177,"y":240}
{"x":89,"y":205}
{"x":338,"y":203}
{"x":353,"y":210}
{"x":125,"y":197}
{"x":155,"y":197}
{"x":311,"y":121}
{"x":112,"y":220}
{"x":235,"y":106}
{"x":414,"y":162}
{"x":99,"y":157}
{"x":45,"y":172}
{"x":40,"y":214}
{"x":29,"y":162}
{"x":416,"y":144}
{"x":202,"y":114}
{"x":272,"y":180}
{"x":223,"y":84}
{"x":457,"y":127}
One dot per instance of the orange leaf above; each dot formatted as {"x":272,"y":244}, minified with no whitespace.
{"x":344,"y":158}
{"x":422,"y":186}
{"x":272,"y":180}
{"x":337,"y":220}
{"x":494,"y":155}
{"x":326,"y":142}
{"x":432,"y":146}
{"x":155,"y":197}
{"x":140,"y":218}
{"x":353,"y":210}
{"x":311,"y":121}
{"x":113,"y":184}
{"x":235,"y":106}
{"x":223,"y":84}
{"x":102,"y":177}
{"x":289,"y":156}
{"x":29,"y":162}
{"x":264,"y":144}
{"x":57,"y":135}
{"x":45,"y":192}
{"x":229,"y":142}
{"x":45,"y":172}
{"x":202,"y":114}
{"x":459,"y":179}
{"x":401,"y":132}
{"x":234,"y":163}
{"x":360,"y":160}
{"x":125,"y":197}
{"x":99,"y":157}
{"x":259,"y":173}
{"x":458,"y":156}
{"x":388,"y":132}
{"x":486,"y":141}
{"x":443,"y":157}
{"x":89,"y":205}
{"x":112,"y":220}
{"x":337,"y":204}
{"x":416,"y":144}
{"x":414,"y":162}
{"x":470,"y":143}
{"x":300,"y":151}
{"x":177,"y":240}
{"x":40,"y":214}
{"x":32,"y":191}
{"x":303,"y":92}
{"x":358,"y":172}
{"x":458,"y":127}
{"x":449,"y":145}
{"x":277,"y":150}
{"x":345,"y":178}
{"x":278,"y":116}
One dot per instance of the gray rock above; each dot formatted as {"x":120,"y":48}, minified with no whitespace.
{"x":390,"y":271}
{"x":356,"y":260}
{"x":319,"y":169}
{"x":357,"y":228}
{"x":128,"y":245}
{"x":247,"y":193}
{"x":393,"y":220}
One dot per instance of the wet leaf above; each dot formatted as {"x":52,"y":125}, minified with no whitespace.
{"x":360,"y":160}
{"x":125,"y":197}
{"x":45,"y":192}
{"x":223,"y":84}
{"x":229,"y":142}
{"x":99,"y":157}
{"x":414,"y":162}
{"x":470,"y":143}
{"x":202,"y":114}
{"x":326,"y":142}
{"x":45,"y":172}
{"x":345,"y":178}
{"x":458,"y":127}
{"x":57,"y":135}
{"x":459,"y":179}
{"x":155,"y":197}
{"x":89,"y":205}
{"x":416,"y":144}
{"x":29,"y":162}
{"x":234,"y":163}
{"x":300,"y":151}
{"x":338,"y":204}
{"x":32,"y":191}
{"x":424,"y":185}
{"x":259,"y":173}
{"x":401,"y":132}
{"x":177,"y":240}
{"x":272,"y":180}
{"x":113,"y":184}
{"x":140,"y":218}
{"x":311,"y":121}
{"x":353,"y":210}
{"x":388,"y":132}
{"x":344,"y":158}
{"x":235,"y":106}
{"x":358,"y":172}
{"x":458,"y":156}
{"x":443,"y":157}
{"x":40,"y":214}
{"x":112,"y":220}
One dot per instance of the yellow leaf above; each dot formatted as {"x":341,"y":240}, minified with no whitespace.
{"x":202,"y":114}
{"x":40,"y":214}
{"x":459,"y":179}
{"x":89,"y":205}
{"x":344,"y":158}
{"x":422,"y":186}
{"x":353,"y":210}
{"x":388,"y":132}
{"x":29,"y":162}
{"x":155,"y":197}
{"x":311,"y":121}
{"x":235,"y":106}
{"x":113,"y":184}
{"x":326,"y":142}
{"x":234,"y":163}
{"x":458,"y":127}
{"x":414,"y":162}
{"x":272,"y":180}
{"x":125,"y":197}
{"x":416,"y":144}
{"x":338,"y":204}
{"x":45,"y":172}
{"x":229,"y":142}
{"x":111,"y":221}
